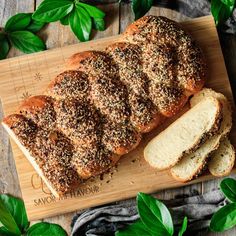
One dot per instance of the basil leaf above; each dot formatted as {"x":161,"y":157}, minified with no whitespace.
{"x":81,"y":24}
{"x":17,"y":209}
{"x":224,"y":219}
{"x":35,"y":26}
{"x":141,"y":7}
{"x":5,"y":232}
{"x":65,"y":20}
{"x":228,"y":187}
{"x":45,"y":229}
{"x":18,"y":22}
{"x":155,"y":215}
{"x":26,"y":41}
{"x":183,"y":227}
{"x":53,"y":10}
{"x":4,"y":46}
{"x":92,"y":11}
{"x":222,"y":10}
{"x":98,"y":24}
{"x":135,"y":229}
{"x":7,"y":219}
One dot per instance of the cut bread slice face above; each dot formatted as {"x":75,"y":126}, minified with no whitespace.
{"x":184,"y":135}
{"x":226,"y":109}
{"x":222,"y":160}
{"x":192,"y":165}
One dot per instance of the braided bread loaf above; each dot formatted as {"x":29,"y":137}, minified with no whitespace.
{"x":98,"y":109}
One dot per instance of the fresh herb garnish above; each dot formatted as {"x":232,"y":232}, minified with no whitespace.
{"x":18,"y":22}
{"x":53,"y":10}
{"x":155,"y":219}
{"x":19,"y":32}
{"x":225,"y":218}
{"x":78,"y":15}
{"x":26,"y":41}
{"x":222,"y":10}
{"x":14,"y":221}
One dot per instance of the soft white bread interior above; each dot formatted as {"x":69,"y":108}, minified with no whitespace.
{"x":184,"y":135}
{"x":30,"y":159}
{"x":222,"y":160}
{"x":191,"y":165}
{"x":226,"y":109}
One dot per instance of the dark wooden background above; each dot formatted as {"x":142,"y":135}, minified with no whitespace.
{"x":56,"y":35}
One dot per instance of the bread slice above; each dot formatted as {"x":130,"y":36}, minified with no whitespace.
{"x":226,"y":109}
{"x":222,"y":160}
{"x":191,"y":165}
{"x":184,"y":135}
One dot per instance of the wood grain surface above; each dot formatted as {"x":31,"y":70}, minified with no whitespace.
{"x":119,"y":16}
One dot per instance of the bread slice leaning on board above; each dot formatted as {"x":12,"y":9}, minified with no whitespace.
{"x":184,"y":135}
{"x":192,"y":164}
{"x":222,"y":160}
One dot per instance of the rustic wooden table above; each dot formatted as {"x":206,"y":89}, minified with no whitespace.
{"x":56,"y":35}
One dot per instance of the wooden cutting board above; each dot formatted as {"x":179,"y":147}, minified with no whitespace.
{"x":28,"y":75}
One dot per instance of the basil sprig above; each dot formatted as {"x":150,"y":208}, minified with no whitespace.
{"x":80,"y":16}
{"x":19,"y":31}
{"x":14,"y":221}
{"x":155,"y":219}
{"x":225,"y":218}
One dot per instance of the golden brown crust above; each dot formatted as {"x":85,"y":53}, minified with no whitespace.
{"x":69,"y":84}
{"x":102,"y":104}
{"x":40,"y":109}
{"x":120,"y":138}
{"x":93,"y":161}
{"x":93,"y":63}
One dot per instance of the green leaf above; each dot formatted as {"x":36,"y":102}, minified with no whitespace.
{"x":224,"y":219}
{"x":5,"y":232}
{"x":53,"y":10}
{"x":222,"y":10}
{"x":81,"y":24}
{"x":26,"y":41}
{"x":135,"y":229}
{"x":35,"y":26}
{"x":155,"y":215}
{"x":228,"y":187}
{"x":46,"y":229}
{"x":18,"y":22}
{"x":92,"y":11}
{"x":98,"y":24}
{"x":17,"y":209}
{"x":183,"y":227}
{"x":8,"y":211}
{"x":4,"y":46}
{"x":65,"y":20}
{"x":141,"y":7}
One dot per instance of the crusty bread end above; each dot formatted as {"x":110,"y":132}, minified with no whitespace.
{"x":30,"y":159}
